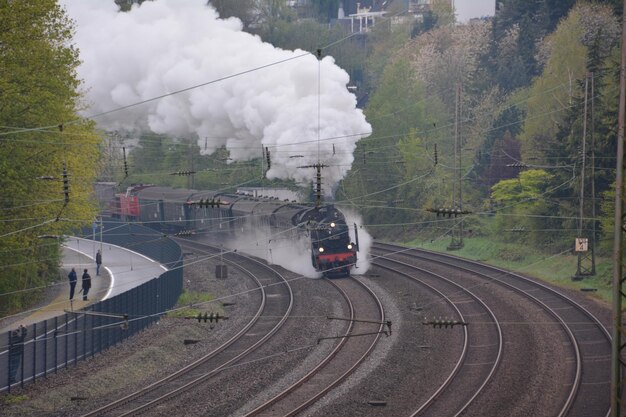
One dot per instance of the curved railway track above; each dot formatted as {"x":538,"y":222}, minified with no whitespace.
{"x":581,"y":375}
{"x":527,"y":350}
{"x":362,"y":327}
{"x":367,"y":323}
{"x":275,"y":305}
{"x":481,"y":353}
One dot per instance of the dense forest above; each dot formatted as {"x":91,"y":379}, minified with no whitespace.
{"x":511,"y":121}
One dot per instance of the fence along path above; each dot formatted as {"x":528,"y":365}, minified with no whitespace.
{"x":129,"y":294}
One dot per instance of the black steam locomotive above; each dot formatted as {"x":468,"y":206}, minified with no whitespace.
{"x":183,"y":210}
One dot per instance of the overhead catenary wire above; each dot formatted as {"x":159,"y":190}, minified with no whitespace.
{"x":374,"y":138}
{"x":159,"y":97}
{"x":319,"y":139}
{"x":219,"y":299}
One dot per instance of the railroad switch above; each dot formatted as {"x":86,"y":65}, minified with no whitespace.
{"x":386,"y":332}
{"x":387,"y":323}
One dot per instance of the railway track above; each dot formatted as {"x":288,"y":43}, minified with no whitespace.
{"x":576,"y":359}
{"x":359,"y":330}
{"x":481,"y":352}
{"x":525,"y":351}
{"x":367,"y":323}
{"x":274,"y":307}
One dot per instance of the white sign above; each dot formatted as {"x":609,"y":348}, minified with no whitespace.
{"x":582,"y":244}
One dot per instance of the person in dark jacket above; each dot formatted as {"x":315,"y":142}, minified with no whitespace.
{"x":73,"y":278}
{"x":98,"y":261}
{"x":16,"y":352}
{"x":86,"y":284}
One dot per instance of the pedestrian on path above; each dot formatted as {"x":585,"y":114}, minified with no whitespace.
{"x":73,"y":278}
{"x":86,"y":284}
{"x":16,"y":352}
{"x":98,"y":261}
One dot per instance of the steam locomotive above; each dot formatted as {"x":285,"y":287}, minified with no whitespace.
{"x":186,"y":211}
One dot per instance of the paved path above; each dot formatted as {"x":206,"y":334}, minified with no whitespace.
{"x":127,"y":269}
{"x":121,"y":270}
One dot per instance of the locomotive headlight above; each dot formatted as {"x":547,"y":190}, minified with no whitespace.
{"x":321,"y":250}
{"x":350,"y":246}
{"x":332,"y":224}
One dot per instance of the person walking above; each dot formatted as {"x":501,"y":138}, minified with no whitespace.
{"x":73,"y":278}
{"x":98,"y":261}
{"x":86,"y":285}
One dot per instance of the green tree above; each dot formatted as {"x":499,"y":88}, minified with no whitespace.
{"x":444,"y":12}
{"x":270,"y":15}
{"x":243,"y":10}
{"x":526,"y":22}
{"x":428,"y":22}
{"x":326,"y":9}
{"x":524,"y":204}
{"x":398,"y":114}
{"x":40,"y":137}
{"x":498,"y":151}
{"x":553,"y":91}
{"x":526,"y":189}
{"x":586,"y":41}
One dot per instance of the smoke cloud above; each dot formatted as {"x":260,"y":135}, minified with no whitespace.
{"x":365,"y":240}
{"x":165,"y":46}
{"x":291,"y":251}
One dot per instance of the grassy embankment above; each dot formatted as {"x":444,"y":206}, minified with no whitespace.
{"x":557,"y":269}
{"x":192,"y":303}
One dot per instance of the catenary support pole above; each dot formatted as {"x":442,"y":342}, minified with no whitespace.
{"x":616,"y":363}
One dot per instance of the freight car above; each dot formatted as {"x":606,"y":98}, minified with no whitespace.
{"x":238,"y":214}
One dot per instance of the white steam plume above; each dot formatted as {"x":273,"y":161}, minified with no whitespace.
{"x":291,"y":251}
{"x":366,"y":240}
{"x":165,"y":46}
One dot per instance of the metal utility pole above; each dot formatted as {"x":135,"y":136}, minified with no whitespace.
{"x":101,"y":230}
{"x":593,"y":177}
{"x":460,"y":171}
{"x":190,"y":179}
{"x":457,"y":241}
{"x":586,"y":259}
{"x":618,"y":280}
{"x":318,"y":182}
{"x":94,"y":226}
{"x":582,"y":170}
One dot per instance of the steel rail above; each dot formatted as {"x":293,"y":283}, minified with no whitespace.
{"x":305,"y":378}
{"x":323,"y":365}
{"x":185,"y":370}
{"x":232,"y":361}
{"x":348,"y":372}
{"x":577,"y":382}
{"x":458,"y":367}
